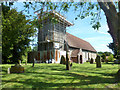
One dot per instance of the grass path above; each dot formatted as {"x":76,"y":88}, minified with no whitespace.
{"x":55,"y":76}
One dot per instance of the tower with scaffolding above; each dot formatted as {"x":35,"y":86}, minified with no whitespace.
{"x":51,"y":36}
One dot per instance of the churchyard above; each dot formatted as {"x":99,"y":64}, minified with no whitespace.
{"x":46,"y":76}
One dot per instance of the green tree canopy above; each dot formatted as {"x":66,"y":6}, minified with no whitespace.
{"x":16,"y":33}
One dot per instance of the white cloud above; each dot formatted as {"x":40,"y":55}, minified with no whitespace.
{"x":103,"y":32}
{"x":103,"y":29}
{"x":100,"y":43}
{"x":100,"y":38}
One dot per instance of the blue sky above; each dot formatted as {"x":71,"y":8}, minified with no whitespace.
{"x":99,"y":39}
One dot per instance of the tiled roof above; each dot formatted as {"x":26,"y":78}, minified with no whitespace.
{"x":75,"y":53}
{"x":76,"y":42}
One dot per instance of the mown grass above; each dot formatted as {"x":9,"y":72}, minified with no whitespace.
{"x":55,"y":76}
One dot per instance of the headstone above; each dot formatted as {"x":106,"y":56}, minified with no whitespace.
{"x":8,"y":70}
{"x":17,"y":69}
{"x":98,"y":61}
{"x":33,"y":62}
{"x":91,"y":61}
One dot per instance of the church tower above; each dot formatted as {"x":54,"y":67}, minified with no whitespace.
{"x":52,"y":35}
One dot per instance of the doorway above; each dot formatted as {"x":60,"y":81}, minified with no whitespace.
{"x":81,"y":61}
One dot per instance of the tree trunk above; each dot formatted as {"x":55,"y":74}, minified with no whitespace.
{"x":118,"y":73}
{"x":119,"y":33}
{"x":25,"y":62}
{"x":113,"y":20}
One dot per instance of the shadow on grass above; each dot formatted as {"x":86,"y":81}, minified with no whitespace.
{"x":84,"y":80}
{"x":54,"y":76}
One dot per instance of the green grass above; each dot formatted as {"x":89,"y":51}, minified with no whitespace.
{"x":55,"y":76}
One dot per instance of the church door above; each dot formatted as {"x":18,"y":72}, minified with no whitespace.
{"x":81,"y":59}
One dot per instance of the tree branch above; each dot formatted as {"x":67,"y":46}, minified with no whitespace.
{"x":111,"y":16}
{"x":112,"y":7}
{"x":102,"y":5}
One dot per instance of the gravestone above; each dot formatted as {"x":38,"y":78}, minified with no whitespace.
{"x":8,"y":70}
{"x":91,"y":61}
{"x":17,"y":69}
{"x":62,"y":61}
{"x":98,"y":61}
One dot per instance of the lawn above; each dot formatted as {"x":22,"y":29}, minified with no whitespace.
{"x":55,"y":76}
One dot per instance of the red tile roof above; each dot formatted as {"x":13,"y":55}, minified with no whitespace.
{"x":75,"y":53}
{"x":76,"y":42}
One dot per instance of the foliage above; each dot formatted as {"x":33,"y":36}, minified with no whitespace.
{"x":111,"y":58}
{"x":100,"y":53}
{"x":107,"y":53}
{"x":16,"y":32}
{"x":113,"y":48}
{"x":25,"y":56}
{"x":104,"y":56}
{"x":85,"y":9}
{"x":50,"y":76}
{"x":35,"y":48}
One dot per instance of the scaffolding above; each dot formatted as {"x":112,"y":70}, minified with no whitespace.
{"x":51,"y":35}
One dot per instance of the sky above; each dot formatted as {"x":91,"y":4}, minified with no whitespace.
{"x":99,"y":39}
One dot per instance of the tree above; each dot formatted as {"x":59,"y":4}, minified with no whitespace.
{"x":16,"y":31}
{"x":114,"y":49}
{"x":0,"y":36}
{"x":110,"y":58}
{"x":107,"y":53}
{"x":104,"y":56}
{"x":113,"y":20}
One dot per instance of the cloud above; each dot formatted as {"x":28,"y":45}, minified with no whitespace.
{"x":104,"y":29}
{"x":103,"y":32}
{"x":98,"y":39}
{"x":100,"y":43}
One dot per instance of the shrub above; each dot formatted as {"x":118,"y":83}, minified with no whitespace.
{"x":104,"y":56}
{"x":102,"y":60}
{"x":111,"y":58}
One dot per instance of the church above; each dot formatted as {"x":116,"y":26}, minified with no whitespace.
{"x":52,"y":39}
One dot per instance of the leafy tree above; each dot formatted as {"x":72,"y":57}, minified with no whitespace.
{"x":104,"y":56}
{"x":110,"y":58}
{"x":35,"y":48}
{"x":114,"y":49}
{"x":16,"y":31}
{"x":0,"y":37}
{"x":107,"y":53}
{"x":100,"y":53}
